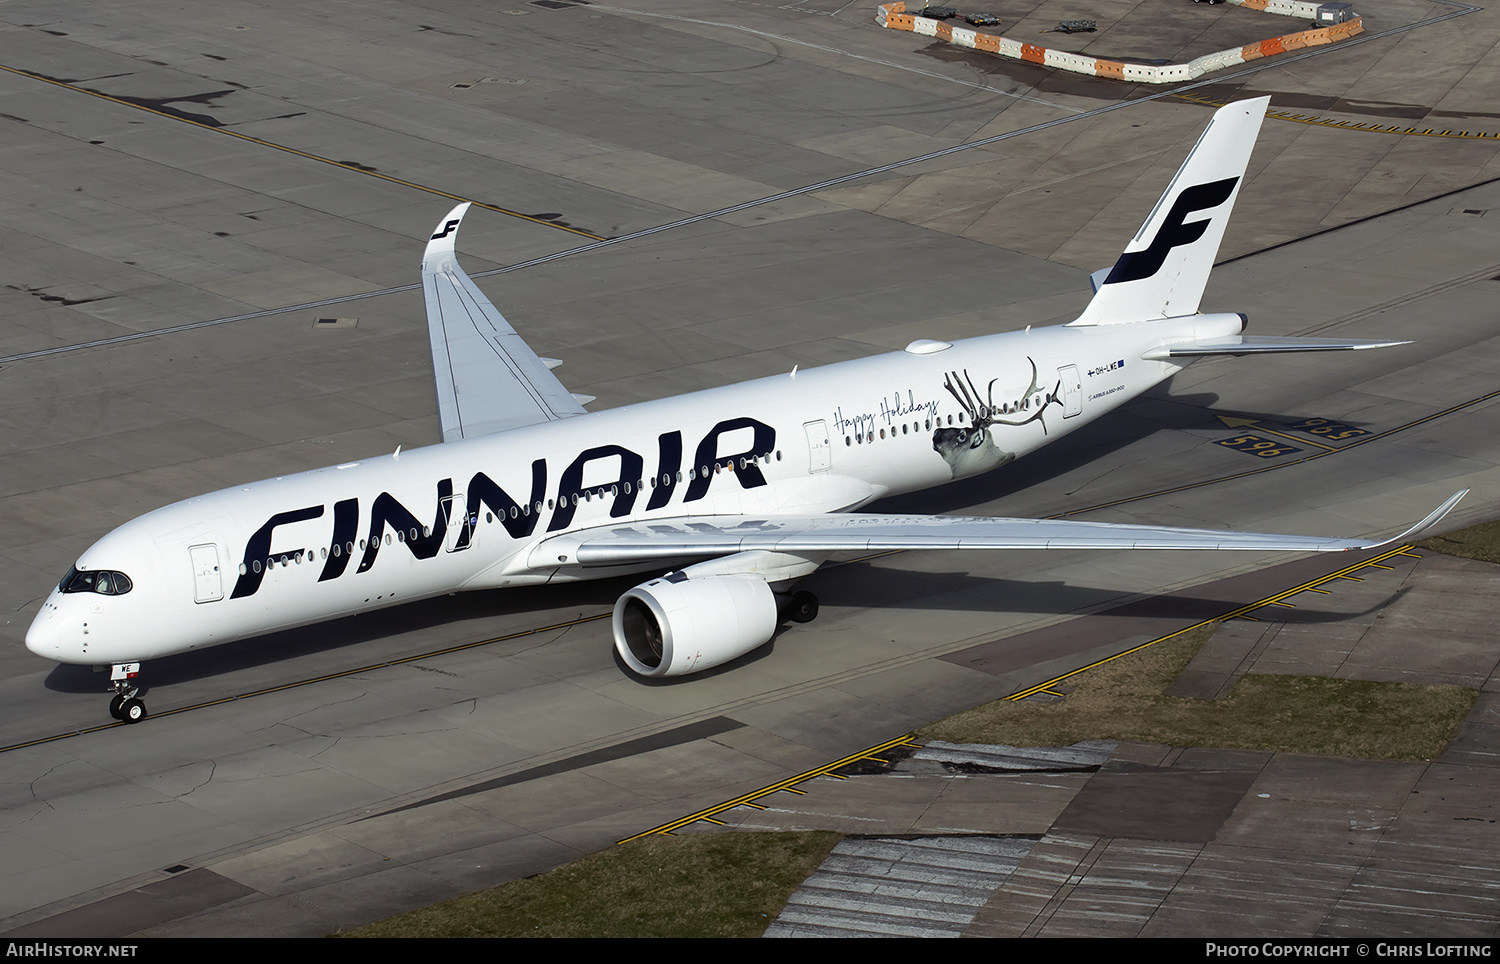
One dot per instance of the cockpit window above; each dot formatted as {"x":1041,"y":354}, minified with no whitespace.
{"x":101,"y":581}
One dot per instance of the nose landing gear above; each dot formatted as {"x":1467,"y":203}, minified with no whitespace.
{"x":126,"y":705}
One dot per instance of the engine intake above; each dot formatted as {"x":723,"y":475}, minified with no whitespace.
{"x":677,"y":625}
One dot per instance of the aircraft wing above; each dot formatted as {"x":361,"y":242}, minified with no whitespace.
{"x":723,"y":535}
{"x":488,"y":379}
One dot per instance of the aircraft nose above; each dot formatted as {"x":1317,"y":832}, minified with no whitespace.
{"x":45,"y":636}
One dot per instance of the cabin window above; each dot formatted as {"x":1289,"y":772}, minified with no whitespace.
{"x":255,"y":566}
{"x":848,"y":441}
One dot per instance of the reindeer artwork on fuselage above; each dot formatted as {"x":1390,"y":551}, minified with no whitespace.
{"x":971,"y":449}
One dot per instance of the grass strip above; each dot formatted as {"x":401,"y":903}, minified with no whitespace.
{"x":695,"y":885}
{"x":1480,"y":542}
{"x":1124,"y":700}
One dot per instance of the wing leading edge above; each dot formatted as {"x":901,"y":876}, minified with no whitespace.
{"x":724,"y":535}
{"x":488,"y":379}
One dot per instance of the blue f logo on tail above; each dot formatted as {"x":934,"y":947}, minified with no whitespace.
{"x":1135,"y":265}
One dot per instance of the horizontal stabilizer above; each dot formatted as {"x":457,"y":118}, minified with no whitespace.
{"x":682,"y":538}
{"x":1266,"y":345}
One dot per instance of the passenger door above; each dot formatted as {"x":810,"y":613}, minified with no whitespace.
{"x":208,"y":583}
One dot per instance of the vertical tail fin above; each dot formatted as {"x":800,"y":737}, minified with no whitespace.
{"x":1165,"y":267}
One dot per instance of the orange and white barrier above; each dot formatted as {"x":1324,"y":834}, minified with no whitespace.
{"x":1287,"y":8}
{"x":893,"y":16}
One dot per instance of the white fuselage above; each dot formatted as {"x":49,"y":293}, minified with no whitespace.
{"x":275,"y":554}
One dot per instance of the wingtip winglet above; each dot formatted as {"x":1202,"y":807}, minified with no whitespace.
{"x":1433,"y":518}
{"x":445,"y":235}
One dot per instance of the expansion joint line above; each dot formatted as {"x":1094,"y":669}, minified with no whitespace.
{"x":341,"y":165}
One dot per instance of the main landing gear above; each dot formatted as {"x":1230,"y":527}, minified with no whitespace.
{"x":126,"y":706}
{"x":803,"y":608}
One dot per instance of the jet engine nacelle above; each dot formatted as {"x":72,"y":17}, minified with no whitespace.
{"x":677,"y":625}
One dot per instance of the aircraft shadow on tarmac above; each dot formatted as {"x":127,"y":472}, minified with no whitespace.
{"x":1178,"y":609}
{"x":858,"y":586}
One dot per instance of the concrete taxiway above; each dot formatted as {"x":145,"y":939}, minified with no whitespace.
{"x":160,"y":175}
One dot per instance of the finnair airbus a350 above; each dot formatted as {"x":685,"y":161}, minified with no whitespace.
{"x":746,"y":488}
